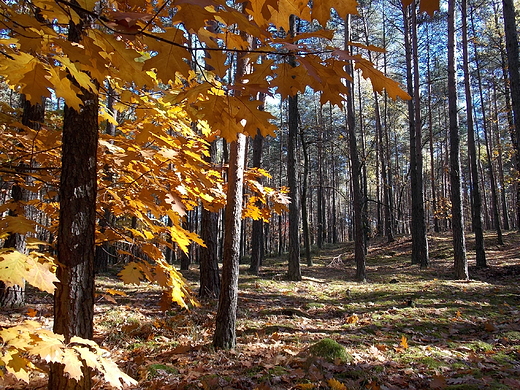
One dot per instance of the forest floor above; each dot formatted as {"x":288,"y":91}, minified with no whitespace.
{"x":405,"y":328}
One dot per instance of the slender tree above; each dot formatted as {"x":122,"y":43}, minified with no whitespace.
{"x":208,"y":255}
{"x":359,"y":232}
{"x":472,"y":150}
{"x":513,"y":62}
{"x":457,"y":218}
{"x":257,"y":230}
{"x":294,"y":271}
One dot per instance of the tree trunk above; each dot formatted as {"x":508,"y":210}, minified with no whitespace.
{"x":74,"y":296}
{"x":459,"y":240}
{"x":305,"y":215}
{"x":225,"y":330}
{"x":419,"y":239}
{"x":359,"y":232}
{"x":208,"y":258}
{"x":257,"y":229}
{"x":472,"y":150}
{"x":294,"y":270}
{"x":513,"y":62}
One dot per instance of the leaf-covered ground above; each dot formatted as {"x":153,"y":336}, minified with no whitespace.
{"x":404,"y":329}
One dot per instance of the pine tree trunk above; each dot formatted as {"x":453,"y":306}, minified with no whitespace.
{"x":305,"y":215}
{"x":294,"y":270}
{"x":208,"y":258}
{"x":359,"y":232}
{"x":472,"y":150}
{"x":459,"y":240}
{"x":225,"y":330}
{"x":257,"y":229}
{"x":513,"y":63}
{"x":74,"y":296}
{"x":418,"y":224}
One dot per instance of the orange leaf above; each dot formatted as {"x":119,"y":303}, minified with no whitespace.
{"x":404,"y":342}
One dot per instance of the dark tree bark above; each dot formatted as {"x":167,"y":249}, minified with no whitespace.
{"x":105,"y":253}
{"x":257,"y":229}
{"x":208,"y":259}
{"x":359,"y":232}
{"x":472,"y":150}
{"x":419,"y":239}
{"x":74,"y":296}
{"x":433,"y":184}
{"x":294,"y":270}
{"x":459,"y":240}
{"x":305,"y":215}
{"x":225,"y":330}
{"x":513,"y":62}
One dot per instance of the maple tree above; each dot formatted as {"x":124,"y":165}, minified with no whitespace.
{"x":153,"y":166}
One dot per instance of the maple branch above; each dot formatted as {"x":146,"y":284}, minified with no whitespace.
{"x":7,"y":55}
{"x":191,"y":49}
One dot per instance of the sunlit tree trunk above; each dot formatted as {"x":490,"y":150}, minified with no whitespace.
{"x":459,"y":240}
{"x":225,"y":328}
{"x":225,"y":331}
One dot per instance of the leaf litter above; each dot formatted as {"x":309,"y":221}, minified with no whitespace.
{"x":404,"y":329}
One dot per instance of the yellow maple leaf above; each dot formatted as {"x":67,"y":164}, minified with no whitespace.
{"x":35,"y":83}
{"x":17,"y":365}
{"x":41,"y":275}
{"x":404,"y":342}
{"x":334,"y":384}
{"x":131,"y":273}
{"x":47,"y":346}
{"x":17,"y":224}
{"x":111,"y":291}
{"x":89,"y":357}
{"x":72,"y":365}
{"x":64,"y":88}
{"x":321,"y":9}
{"x":114,"y":376}
{"x":14,"y":267}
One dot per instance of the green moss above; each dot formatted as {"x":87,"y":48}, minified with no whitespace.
{"x":155,"y":370}
{"x":480,"y":346}
{"x":330,"y":350}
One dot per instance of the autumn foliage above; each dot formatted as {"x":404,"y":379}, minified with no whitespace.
{"x":166,"y":67}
